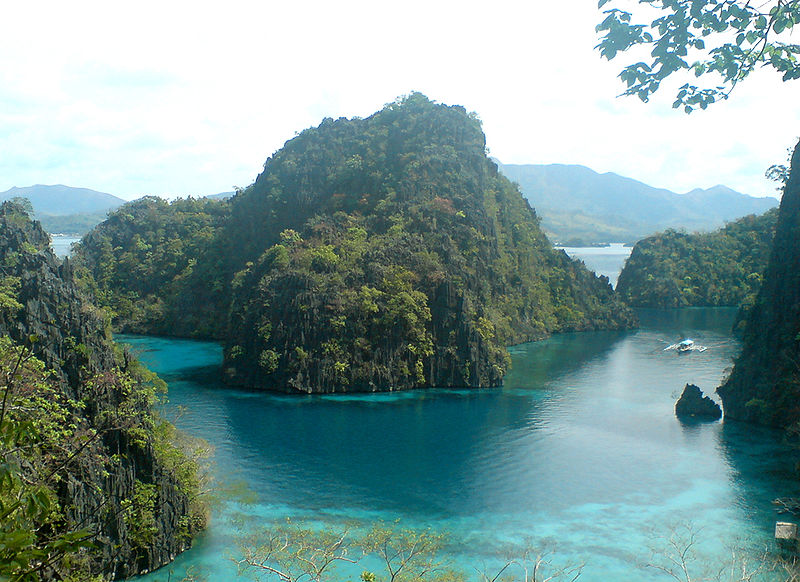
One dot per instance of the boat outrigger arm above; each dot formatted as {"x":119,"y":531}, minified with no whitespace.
{"x":686,"y":346}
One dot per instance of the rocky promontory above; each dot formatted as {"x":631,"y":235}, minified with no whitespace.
{"x":375,"y":254}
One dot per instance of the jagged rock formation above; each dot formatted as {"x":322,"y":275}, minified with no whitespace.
{"x":388,"y":253}
{"x":383,"y":253}
{"x":693,"y":404}
{"x":764,"y":386}
{"x":131,"y":490}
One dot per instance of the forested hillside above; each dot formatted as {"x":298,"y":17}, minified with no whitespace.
{"x":676,"y":269}
{"x":93,"y":484}
{"x":156,"y":267}
{"x":371,"y":254}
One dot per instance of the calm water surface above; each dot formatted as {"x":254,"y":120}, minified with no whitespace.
{"x":62,"y":245}
{"x":606,"y":261}
{"x":580,"y":453}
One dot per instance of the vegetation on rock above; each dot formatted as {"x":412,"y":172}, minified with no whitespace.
{"x":152,"y":264}
{"x":764,"y":385}
{"x":93,"y":482}
{"x":675,"y":269}
{"x":371,"y":254}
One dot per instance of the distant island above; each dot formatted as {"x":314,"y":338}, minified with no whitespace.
{"x":71,"y":211}
{"x":580,"y":207}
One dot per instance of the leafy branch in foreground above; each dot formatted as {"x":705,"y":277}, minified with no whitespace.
{"x":39,"y":436}
{"x":726,"y":38}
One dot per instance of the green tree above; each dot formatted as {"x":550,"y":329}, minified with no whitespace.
{"x":726,"y":39}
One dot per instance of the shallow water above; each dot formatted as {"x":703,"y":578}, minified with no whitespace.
{"x":579,"y":452}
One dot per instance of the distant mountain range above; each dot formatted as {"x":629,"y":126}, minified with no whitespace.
{"x":63,"y":200}
{"x":578,"y":205}
{"x":73,"y":211}
{"x":220,"y":196}
{"x":62,"y":209}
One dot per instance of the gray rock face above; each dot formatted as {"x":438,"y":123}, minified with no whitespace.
{"x":72,"y":340}
{"x":764,"y":385}
{"x":693,"y":404}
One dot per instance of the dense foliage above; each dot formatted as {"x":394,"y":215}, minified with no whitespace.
{"x":396,"y":256}
{"x":154,"y":265}
{"x":92,"y":482}
{"x":71,"y":224}
{"x":371,"y":254}
{"x":675,"y":269}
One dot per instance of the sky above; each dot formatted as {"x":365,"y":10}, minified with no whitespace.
{"x":190,"y":98}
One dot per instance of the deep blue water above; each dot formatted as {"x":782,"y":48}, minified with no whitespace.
{"x":579,"y":452}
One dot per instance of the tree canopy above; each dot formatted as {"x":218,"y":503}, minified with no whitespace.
{"x":675,"y":269}
{"x":727,"y":39}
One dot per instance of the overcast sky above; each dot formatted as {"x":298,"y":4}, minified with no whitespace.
{"x":176,"y":98}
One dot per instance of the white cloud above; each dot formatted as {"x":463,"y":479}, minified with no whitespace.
{"x":180,"y":97}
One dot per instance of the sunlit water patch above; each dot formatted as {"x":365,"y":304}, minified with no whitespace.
{"x":62,"y":244}
{"x":579,"y":452}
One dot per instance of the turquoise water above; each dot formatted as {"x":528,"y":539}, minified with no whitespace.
{"x":579,"y":453}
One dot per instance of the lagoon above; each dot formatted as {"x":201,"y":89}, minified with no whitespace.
{"x":579,"y":454}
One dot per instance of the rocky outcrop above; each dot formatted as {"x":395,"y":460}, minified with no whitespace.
{"x":764,"y":386}
{"x":119,"y":477}
{"x":384,"y":253}
{"x":388,"y":253}
{"x":693,"y":404}
{"x":676,"y":269}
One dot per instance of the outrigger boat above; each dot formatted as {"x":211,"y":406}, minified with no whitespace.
{"x":686,"y":346}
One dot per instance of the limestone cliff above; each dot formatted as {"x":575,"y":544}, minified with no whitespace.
{"x":764,"y":385}
{"x":382,"y":253}
{"x":388,"y":253}
{"x":129,"y":490}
